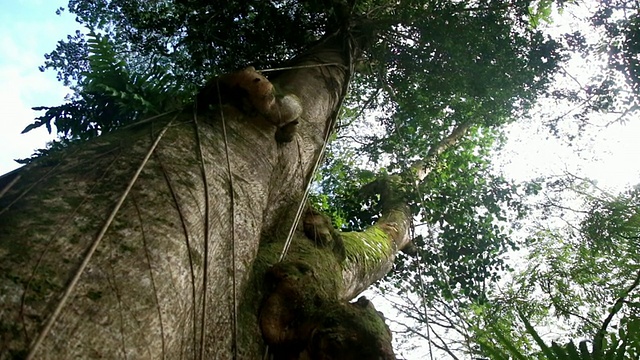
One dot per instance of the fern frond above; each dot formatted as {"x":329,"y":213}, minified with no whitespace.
{"x":111,"y":95}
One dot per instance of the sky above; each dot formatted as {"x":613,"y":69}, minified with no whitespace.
{"x":30,"y":28}
{"x":610,"y":156}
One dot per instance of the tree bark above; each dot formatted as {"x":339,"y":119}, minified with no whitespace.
{"x":125,"y":246}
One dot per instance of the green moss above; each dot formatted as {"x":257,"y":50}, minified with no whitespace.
{"x":368,"y":247}
{"x":325,"y":279}
{"x":321,"y":260}
{"x":372,"y":321}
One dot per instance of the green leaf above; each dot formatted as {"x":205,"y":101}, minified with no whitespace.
{"x":530,"y":330}
{"x":513,"y":350}
{"x":494,"y":352}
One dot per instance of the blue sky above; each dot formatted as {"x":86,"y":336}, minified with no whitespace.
{"x":30,"y":28}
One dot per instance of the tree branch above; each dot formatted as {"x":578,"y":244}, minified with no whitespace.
{"x":617,"y":306}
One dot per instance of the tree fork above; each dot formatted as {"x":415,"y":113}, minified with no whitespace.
{"x":140,"y":294}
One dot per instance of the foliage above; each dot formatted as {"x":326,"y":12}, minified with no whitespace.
{"x":625,"y":344}
{"x":192,"y":38}
{"x":577,"y":278}
{"x":467,"y":209}
{"x":428,"y":85}
{"x":110,"y":95}
{"x":487,"y":75}
{"x":584,"y":278}
{"x":619,"y":22}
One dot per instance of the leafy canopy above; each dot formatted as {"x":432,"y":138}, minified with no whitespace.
{"x":582,"y":278}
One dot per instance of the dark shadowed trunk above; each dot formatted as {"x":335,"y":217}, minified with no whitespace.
{"x":124,"y":247}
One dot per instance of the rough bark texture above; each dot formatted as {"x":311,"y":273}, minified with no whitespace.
{"x":160,"y":281}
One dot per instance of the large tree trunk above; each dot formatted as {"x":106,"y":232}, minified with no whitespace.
{"x":124,"y":247}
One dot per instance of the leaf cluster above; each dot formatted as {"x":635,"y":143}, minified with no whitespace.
{"x":585,"y":277}
{"x":109,"y":95}
{"x":488,"y":74}
{"x":465,"y":209}
{"x":194,"y":38}
{"x":621,"y":345}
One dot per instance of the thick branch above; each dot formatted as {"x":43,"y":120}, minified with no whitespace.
{"x":617,"y":306}
{"x":370,"y":254}
{"x":424,"y":166}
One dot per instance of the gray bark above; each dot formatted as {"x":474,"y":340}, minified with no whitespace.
{"x":144,"y":292}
